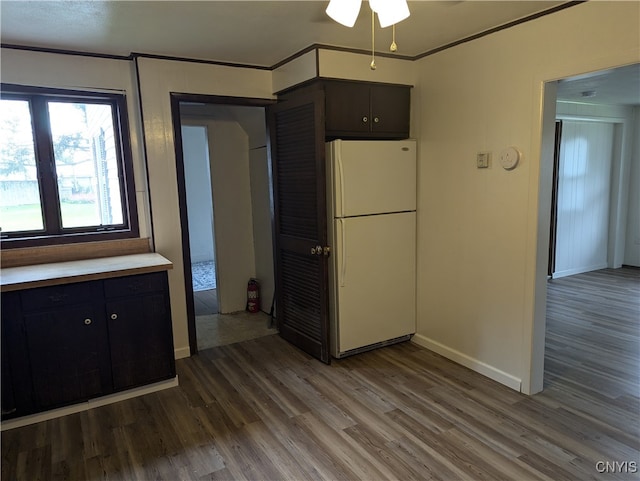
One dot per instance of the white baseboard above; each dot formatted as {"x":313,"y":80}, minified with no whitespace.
{"x":470,"y":362}
{"x":182,"y":352}
{"x":578,"y":270}
{"x":85,"y":406}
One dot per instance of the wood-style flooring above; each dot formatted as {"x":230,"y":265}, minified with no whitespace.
{"x":261,"y":409}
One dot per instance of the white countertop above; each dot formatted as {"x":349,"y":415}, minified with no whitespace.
{"x":26,"y":277}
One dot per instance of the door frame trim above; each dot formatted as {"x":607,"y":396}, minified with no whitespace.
{"x":176,"y":99}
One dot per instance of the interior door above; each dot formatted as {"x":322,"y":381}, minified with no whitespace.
{"x":300,"y":222}
{"x":553,"y":228}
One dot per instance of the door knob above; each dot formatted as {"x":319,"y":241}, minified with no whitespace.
{"x":365,"y":119}
{"x":114,"y":316}
{"x":87,"y":321}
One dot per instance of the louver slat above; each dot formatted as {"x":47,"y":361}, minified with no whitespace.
{"x":296,"y":172}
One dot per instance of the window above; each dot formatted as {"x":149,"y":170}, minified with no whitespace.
{"x":65,"y":167}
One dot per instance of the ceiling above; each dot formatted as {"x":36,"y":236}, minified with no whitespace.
{"x":620,"y":86}
{"x":263,"y":33}
{"x":259,"y":33}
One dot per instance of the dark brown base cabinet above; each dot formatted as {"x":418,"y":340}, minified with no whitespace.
{"x":70,"y":343}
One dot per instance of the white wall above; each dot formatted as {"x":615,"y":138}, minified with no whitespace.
{"x":158,"y":78}
{"x":262,"y":231}
{"x":481,"y":254}
{"x":229,"y":151}
{"x":195,"y":147}
{"x":584,"y":194}
{"x":355,"y":66}
{"x":632,"y":241}
{"x":296,"y":71}
{"x":620,"y":205}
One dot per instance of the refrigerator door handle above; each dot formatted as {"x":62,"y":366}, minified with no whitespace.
{"x":343,"y":253}
{"x":341,"y":181}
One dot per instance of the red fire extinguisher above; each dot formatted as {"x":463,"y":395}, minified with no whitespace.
{"x":253,"y":296}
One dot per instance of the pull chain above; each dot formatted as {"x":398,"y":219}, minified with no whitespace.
{"x":393,"y":46}
{"x":373,"y":41}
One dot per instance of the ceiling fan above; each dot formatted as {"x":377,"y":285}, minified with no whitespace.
{"x":389,"y":12}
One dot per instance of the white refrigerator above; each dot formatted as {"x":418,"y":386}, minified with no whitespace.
{"x":371,"y":192}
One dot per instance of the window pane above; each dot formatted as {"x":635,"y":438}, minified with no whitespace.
{"x":20,"y":206}
{"x":86,"y":164}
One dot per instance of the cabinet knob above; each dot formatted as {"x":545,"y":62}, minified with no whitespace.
{"x":114,"y":316}
{"x":87,"y":321}
{"x":376,"y":120}
{"x":365,"y":119}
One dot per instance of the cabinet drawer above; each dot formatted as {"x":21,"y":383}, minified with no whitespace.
{"x":57,"y":296}
{"x":134,"y":285}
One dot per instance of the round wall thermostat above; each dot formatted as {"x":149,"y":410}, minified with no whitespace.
{"x":509,"y":158}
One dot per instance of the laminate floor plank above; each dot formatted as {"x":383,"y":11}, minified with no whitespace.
{"x":261,"y":378}
{"x":332,"y":413}
{"x":372,"y":442}
{"x":263,"y":410}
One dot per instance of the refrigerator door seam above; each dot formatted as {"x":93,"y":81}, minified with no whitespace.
{"x":377,"y":213}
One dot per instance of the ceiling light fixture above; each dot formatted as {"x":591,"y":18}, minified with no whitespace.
{"x":390,"y":12}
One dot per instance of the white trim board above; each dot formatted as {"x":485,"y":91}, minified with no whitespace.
{"x":467,"y":361}
{"x":580,"y":270}
{"x":181,"y":352}
{"x":85,"y":406}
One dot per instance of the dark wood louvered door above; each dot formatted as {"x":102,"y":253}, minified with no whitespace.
{"x":299,"y":192}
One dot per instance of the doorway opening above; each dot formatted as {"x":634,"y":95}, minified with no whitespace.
{"x":195,"y":151}
{"x":590,"y":336}
{"x":224,"y":193}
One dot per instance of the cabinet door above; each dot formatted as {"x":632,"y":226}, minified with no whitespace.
{"x":9,"y":405}
{"x":347,"y":108}
{"x":68,"y":354}
{"x":390,"y":110}
{"x":141,"y":340}
{"x":300,"y":223}
{"x":16,"y":386}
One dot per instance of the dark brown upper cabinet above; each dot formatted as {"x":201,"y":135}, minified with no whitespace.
{"x":363,"y":110}
{"x":360,"y":110}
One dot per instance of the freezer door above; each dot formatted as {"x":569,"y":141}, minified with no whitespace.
{"x":372,"y":176}
{"x":374,"y":280}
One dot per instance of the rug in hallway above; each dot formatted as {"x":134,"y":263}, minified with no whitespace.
{"x":203,"y":275}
